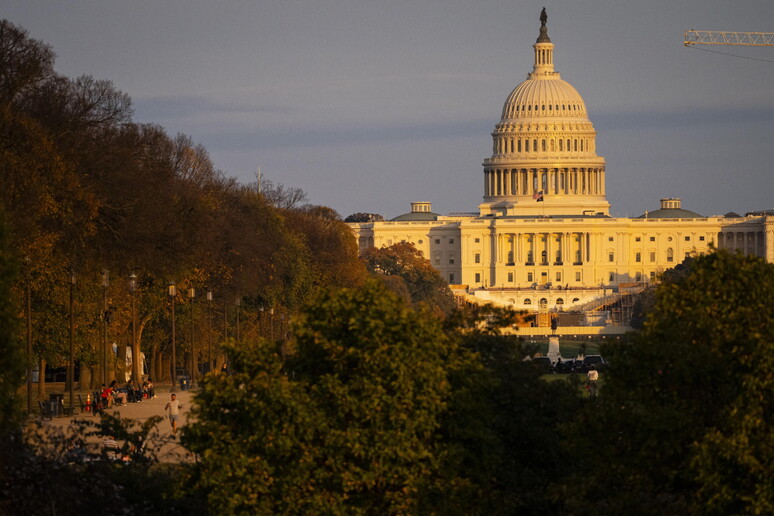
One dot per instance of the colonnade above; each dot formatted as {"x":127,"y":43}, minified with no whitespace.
{"x":543,"y":248}
{"x":748,"y":242}
{"x":502,"y":145}
{"x":528,"y":181}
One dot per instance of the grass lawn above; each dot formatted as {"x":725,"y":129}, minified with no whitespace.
{"x":568,"y":348}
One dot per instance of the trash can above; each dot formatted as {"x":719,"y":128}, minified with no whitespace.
{"x":56,"y":404}
{"x":183,"y":384}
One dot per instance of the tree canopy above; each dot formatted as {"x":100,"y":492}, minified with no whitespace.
{"x":682,"y":421}
{"x":344,"y":427}
{"x":407,"y":272}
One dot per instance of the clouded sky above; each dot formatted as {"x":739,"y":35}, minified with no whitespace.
{"x":368,"y":105}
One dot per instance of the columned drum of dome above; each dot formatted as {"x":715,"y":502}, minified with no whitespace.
{"x":544,"y":159}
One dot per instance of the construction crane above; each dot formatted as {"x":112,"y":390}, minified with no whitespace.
{"x":719,"y":37}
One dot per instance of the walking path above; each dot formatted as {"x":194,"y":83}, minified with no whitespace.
{"x":167,"y":445}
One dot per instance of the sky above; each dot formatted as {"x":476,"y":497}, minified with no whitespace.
{"x":369,"y":105}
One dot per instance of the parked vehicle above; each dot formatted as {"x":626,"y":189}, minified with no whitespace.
{"x":590,"y":361}
{"x":544,"y":363}
{"x":567,"y":366}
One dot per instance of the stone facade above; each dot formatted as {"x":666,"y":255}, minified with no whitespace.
{"x":543,"y":237}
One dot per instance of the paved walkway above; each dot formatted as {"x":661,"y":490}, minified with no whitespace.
{"x":168,"y":446}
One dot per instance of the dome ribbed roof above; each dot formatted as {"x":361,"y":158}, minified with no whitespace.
{"x":544,"y":97}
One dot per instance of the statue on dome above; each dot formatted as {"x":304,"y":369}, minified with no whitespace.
{"x":543,"y":17}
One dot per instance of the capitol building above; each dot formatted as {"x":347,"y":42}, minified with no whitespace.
{"x":543,"y":238}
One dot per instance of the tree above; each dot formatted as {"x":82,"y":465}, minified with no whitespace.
{"x":364,"y":217}
{"x":500,"y":433}
{"x":23,"y":62}
{"x":345,"y":427}
{"x":681,"y":425}
{"x":405,"y":269}
{"x":12,"y":359}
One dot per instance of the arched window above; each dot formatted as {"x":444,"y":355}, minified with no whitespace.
{"x":518,"y":143}
{"x":561,"y":145}
{"x":575,"y":300}
{"x":543,"y":145}
{"x":543,"y":302}
{"x":528,"y":301}
{"x":526,"y":145}
{"x":559,"y":302}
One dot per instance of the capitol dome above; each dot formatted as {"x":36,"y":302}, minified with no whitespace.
{"x":544,"y":159}
{"x":545,"y":97}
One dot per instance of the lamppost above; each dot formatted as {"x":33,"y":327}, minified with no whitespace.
{"x":105,"y":317}
{"x":28,"y":295}
{"x":172,"y":294}
{"x":135,"y":344}
{"x":238,"y":303}
{"x":192,"y":362}
{"x":71,"y":365}
{"x":209,"y":330}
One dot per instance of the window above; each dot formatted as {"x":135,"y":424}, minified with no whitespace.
{"x":559,"y":302}
{"x":543,"y":302}
{"x":578,"y":276}
{"x":670,"y":255}
{"x":420,"y":241}
{"x":528,"y":301}
{"x":478,"y":277}
{"x":701,"y":239}
{"x":451,"y":278}
{"x":451,"y":240}
{"x":653,"y":256}
{"x":559,"y":277}
{"x":477,"y":240}
{"x":687,"y":239}
{"x":609,"y":239}
{"x":451,"y":259}
{"x":437,"y":259}
{"x":652,"y":276}
{"x":611,"y":256}
{"x":510,"y":256}
{"x":477,"y":258}
{"x":575,"y":300}
{"x":437,"y":240}
{"x":544,"y":257}
{"x":611,"y":277}
{"x":638,"y":278}
{"x":637,"y":239}
{"x":510,"y":277}
{"x":638,"y":257}
{"x":652,"y":239}
{"x":530,"y":277}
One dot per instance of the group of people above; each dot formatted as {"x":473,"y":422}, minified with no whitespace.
{"x":130,"y":393}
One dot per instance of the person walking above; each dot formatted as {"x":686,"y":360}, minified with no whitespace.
{"x":174,"y":412}
{"x":593,"y":377}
